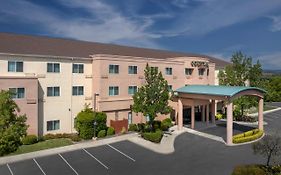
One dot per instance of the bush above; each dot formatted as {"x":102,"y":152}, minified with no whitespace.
{"x":101,"y":134}
{"x":219,"y":116}
{"x":73,"y":137}
{"x":84,"y":123}
{"x":153,"y":136}
{"x":49,"y":136}
{"x":110,"y":131}
{"x":156,"y":124}
{"x":166,"y":124}
{"x":141,"y":127}
{"x":248,"y":170}
{"x":247,"y":136}
{"x":29,"y":139}
{"x":133,"y":127}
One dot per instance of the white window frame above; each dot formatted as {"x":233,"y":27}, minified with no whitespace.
{"x":80,"y":67}
{"x":53,"y":127}
{"x":77,"y":90}
{"x":200,"y":72}
{"x":114,"y":93}
{"x":134,"y":87}
{"x":169,"y":71}
{"x":16,"y":94}
{"x":53,"y":91}
{"x":114,"y":70}
{"x":170,"y":89}
{"x":186,"y":71}
{"x":53,"y":67}
{"x":16,"y":66}
{"x":133,"y":66}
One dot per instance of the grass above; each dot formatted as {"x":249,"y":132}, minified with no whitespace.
{"x":53,"y":143}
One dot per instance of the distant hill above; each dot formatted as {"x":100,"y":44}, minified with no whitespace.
{"x":272,"y":72}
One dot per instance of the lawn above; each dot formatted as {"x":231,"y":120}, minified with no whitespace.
{"x":53,"y":143}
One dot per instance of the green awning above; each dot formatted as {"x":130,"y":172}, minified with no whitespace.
{"x":216,"y":90}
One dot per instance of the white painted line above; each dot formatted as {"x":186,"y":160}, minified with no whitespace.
{"x":121,"y":153}
{"x":68,"y":164}
{"x":39,"y":166}
{"x":10,"y":169}
{"x":96,"y":159}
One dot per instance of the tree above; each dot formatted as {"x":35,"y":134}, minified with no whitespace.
{"x":242,"y":73}
{"x":273,"y":87}
{"x":12,"y":125}
{"x":269,"y":146}
{"x":153,"y":97}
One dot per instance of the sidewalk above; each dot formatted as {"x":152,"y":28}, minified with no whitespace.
{"x":86,"y":144}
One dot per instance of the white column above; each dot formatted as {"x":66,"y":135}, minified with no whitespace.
{"x":192,"y":117}
{"x":229,"y":124}
{"x":260,"y":114}
{"x":180,"y":114}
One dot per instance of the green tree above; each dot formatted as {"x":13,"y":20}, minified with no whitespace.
{"x":273,"y":87}
{"x":12,"y":125}
{"x":153,"y":97}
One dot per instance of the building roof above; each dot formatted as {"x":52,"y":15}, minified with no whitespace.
{"x":41,"y":45}
{"x":216,"y":90}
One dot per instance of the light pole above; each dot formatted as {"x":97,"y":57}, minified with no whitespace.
{"x":95,"y":121}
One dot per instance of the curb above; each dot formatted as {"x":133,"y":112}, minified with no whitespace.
{"x":246,"y":143}
{"x":47,"y":152}
{"x":265,"y":112}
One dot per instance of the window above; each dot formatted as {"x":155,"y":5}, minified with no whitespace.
{"x":113,"y":90}
{"x":130,"y":120}
{"x":15,"y":66}
{"x":132,"y":90}
{"x":78,"y":68}
{"x":133,"y":69}
{"x":154,"y":69}
{"x":53,"y":125}
{"x":77,"y":90}
{"x":208,"y":72}
{"x":53,"y":91}
{"x":169,"y":71}
{"x":17,"y":92}
{"x":201,"y":72}
{"x":170,"y":88}
{"x":53,"y":67}
{"x":188,"y":71}
{"x":113,"y":69}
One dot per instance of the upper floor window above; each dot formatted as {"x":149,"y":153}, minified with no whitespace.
{"x":77,"y":90}
{"x":113,"y":69}
{"x":53,"y":125}
{"x":132,"y":90}
{"x":170,"y":88}
{"x":133,"y":69}
{"x":17,"y":92}
{"x":15,"y":66}
{"x":154,"y":68}
{"x":169,"y":71}
{"x":201,"y":72}
{"x":53,"y":91}
{"x":113,"y":90}
{"x":53,"y":67}
{"x":78,"y":68}
{"x":188,"y":71}
{"x":208,"y":71}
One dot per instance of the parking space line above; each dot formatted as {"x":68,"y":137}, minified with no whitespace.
{"x":10,"y":169}
{"x":39,"y":166}
{"x":121,"y":152}
{"x":68,"y":164}
{"x":96,"y":159}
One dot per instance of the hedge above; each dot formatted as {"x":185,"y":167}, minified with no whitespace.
{"x":73,"y":137}
{"x":133,"y":127}
{"x":101,"y":134}
{"x":166,"y":124}
{"x":247,"y":136}
{"x":110,"y":131}
{"x":29,"y":139}
{"x":153,"y":136}
{"x":248,"y":170}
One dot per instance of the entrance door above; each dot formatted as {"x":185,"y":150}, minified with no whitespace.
{"x":186,"y":116}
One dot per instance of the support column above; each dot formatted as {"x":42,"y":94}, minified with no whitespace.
{"x":192,"y":117}
{"x":203,"y":113}
{"x":207,"y":113}
{"x":213,"y":111}
{"x":229,"y":124}
{"x":261,"y":114}
{"x":180,"y":114}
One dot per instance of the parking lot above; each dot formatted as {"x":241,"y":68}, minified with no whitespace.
{"x":193,"y":155}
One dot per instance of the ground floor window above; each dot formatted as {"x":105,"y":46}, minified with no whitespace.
{"x":17,"y":92}
{"x":130,"y":118}
{"x":53,"y":125}
{"x":113,"y":90}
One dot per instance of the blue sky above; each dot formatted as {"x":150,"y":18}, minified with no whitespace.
{"x":213,"y":27}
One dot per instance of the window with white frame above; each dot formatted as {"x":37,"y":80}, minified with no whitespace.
{"x":53,"y":125}
{"x":53,"y":67}
{"x":17,"y":93}
{"x":188,"y":71}
{"x":169,"y":70}
{"x":113,"y":69}
{"x":113,"y":90}
{"x":133,"y":69}
{"x":132,"y":90}
{"x":170,"y":88}
{"x":77,"y":90}
{"x":201,"y":72}
{"x":15,"y":66}
{"x":78,"y":68}
{"x":53,"y":91}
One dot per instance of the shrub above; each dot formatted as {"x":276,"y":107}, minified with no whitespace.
{"x":101,"y":133}
{"x":156,"y":124}
{"x":133,"y":127}
{"x":248,"y":170}
{"x":74,"y":137}
{"x":247,"y":136}
{"x":141,"y":127}
{"x":29,"y":139}
{"x":166,"y":124}
{"x":219,"y":116}
{"x":153,"y":136}
{"x":49,"y":136}
{"x":110,"y":131}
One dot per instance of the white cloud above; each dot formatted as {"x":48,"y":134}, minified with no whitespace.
{"x":276,"y":26}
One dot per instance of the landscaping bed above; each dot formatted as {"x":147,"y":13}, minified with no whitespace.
{"x":247,"y":136}
{"x":257,"y":170}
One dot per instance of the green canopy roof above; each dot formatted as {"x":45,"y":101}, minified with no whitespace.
{"x":216,"y":90}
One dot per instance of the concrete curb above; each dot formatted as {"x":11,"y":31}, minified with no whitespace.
{"x":246,"y":123}
{"x":246,"y":143}
{"x":265,"y":112}
{"x":47,"y":152}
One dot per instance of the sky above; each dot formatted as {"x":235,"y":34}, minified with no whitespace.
{"x":217,"y":28}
